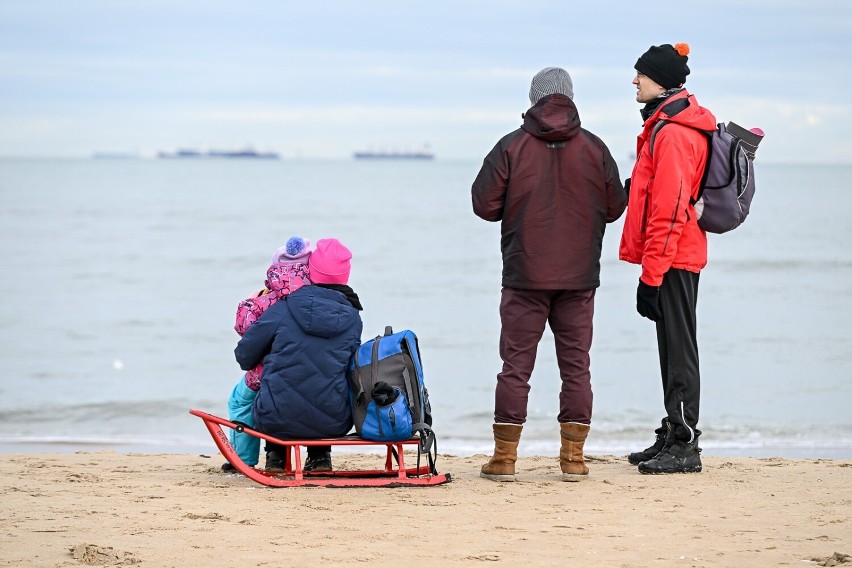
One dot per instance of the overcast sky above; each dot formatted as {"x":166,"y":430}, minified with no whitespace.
{"x":322,"y":79}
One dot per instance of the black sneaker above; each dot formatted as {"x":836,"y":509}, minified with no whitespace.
{"x":227,"y":467}
{"x":648,"y":453}
{"x":678,"y":457}
{"x":318,"y":463}
{"x":274,"y":461}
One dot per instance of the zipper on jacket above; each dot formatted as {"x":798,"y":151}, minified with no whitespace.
{"x":674,"y":218}
{"x":645,"y":209}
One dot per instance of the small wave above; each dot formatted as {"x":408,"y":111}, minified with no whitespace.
{"x":166,"y":425}
{"x":124,"y":444}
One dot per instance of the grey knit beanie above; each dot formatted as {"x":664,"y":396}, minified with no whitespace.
{"x":550,"y":81}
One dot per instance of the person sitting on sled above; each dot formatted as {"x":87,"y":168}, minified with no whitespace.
{"x":287,"y":272}
{"x":306,"y":342}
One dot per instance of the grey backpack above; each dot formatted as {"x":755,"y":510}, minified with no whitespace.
{"x":727,"y":186}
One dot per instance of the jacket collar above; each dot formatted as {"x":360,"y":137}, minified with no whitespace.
{"x":663,"y":101}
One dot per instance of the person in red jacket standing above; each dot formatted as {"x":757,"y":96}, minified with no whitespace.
{"x":661,"y":233}
{"x":554,"y":186}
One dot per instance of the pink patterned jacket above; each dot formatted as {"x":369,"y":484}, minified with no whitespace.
{"x":281,"y":279}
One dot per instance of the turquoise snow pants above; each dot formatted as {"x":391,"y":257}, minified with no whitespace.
{"x":239,"y":410}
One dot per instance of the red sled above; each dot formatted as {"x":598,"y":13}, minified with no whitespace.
{"x":393,"y":474}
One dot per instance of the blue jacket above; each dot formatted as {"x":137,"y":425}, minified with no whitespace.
{"x":305,"y":342}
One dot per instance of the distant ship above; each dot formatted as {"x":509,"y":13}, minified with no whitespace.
{"x":247,"y":153}
{"x":424,"y":154}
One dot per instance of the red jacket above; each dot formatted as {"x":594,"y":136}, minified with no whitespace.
{"x":554,"y":186}
{"x":660,"y":229}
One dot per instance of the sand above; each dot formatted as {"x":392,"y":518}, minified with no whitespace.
{"x":164,"y":510}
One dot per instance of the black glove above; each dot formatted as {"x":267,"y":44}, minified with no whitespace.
{"x":648,"y":302}
{"x":627,"y":186}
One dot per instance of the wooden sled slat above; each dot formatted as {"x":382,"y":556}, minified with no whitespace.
{"x":393,"y":475}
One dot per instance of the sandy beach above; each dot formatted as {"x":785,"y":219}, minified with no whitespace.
{"x":162,"y":510}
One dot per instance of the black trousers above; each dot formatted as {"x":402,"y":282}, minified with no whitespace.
{"x":313,"y":451}
{"x":677,"y":343}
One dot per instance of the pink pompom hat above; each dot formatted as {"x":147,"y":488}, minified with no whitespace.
{"x":296,"y":249}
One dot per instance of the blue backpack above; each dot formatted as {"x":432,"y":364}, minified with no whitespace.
{"x":727,"y":186}
{"x":389,"y":397}
{"x":388,"y":416}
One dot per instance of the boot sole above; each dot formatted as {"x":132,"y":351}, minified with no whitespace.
{"x":696,"y":469}
{"x":574,"y":477}
{"x":638,"y":461}
{"x":498,"y":477}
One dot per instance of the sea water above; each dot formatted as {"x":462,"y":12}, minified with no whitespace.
{"x":120,"y":281}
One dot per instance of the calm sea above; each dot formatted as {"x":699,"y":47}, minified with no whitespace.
{"x":120,"y":280}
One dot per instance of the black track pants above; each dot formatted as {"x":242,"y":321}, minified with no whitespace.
{"x":677,"y":343}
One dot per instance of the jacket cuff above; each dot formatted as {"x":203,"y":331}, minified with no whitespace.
{"x":651,"y":279}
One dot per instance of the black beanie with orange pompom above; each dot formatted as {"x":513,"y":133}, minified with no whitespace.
{"x":665,"y":64}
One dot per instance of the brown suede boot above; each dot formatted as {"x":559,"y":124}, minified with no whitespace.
{"x":501,"y":466}
{"x":571,"y":454}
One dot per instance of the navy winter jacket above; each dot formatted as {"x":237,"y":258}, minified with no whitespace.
{"x":305,"y":341}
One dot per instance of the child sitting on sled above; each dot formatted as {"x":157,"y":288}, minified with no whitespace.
{"x":307,"y":342}
{"x":287,"y":273}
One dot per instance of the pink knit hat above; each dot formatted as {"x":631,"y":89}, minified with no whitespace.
{"x":329,"y":263}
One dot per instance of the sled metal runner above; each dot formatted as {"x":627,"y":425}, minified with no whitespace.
{"x":392,"y":475}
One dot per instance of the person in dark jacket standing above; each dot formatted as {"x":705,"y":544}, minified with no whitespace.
{"x":554,"y":186}
{"x":661,"y":234}
{"x":305,"y":342}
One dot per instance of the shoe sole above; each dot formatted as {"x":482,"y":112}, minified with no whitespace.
{"x":637,"y":462}
{"x":574,"y":477}
{"x":687,"y":470}
{"x":497,"y":477}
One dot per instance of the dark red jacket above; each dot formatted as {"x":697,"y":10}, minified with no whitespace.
{"x":661,"y":230}
{"x":554,"y":186}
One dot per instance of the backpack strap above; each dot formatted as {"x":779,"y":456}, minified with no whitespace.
{"x":707,"y":135}
{"x":657,"y":127}
{"x":374,"y":365}
{"x":409,"y":388}
{"x":359,"y":387}
{"x":428,"y":445}
{"x":374,"y":361}
{"x":357,"y":383}
{"x":429,"y":448}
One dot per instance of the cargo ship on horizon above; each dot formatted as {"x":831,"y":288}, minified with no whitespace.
{"x":245,"y":153}
{"x":422,"y":154}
